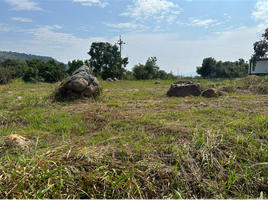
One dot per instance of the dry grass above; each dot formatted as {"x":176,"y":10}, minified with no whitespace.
{"x":135,"y":142}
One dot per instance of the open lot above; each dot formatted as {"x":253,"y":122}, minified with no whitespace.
{"x":133,"y":141}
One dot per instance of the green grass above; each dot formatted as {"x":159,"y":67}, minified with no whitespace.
{"x":135,"y":142}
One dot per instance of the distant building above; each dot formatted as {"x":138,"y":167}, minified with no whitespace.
{"x":261,"y":67}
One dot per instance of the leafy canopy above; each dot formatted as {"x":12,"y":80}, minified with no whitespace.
{"x":150,"y":71}
{"x":74,"y":65}
{"x":260,"y":48}
{"x":105,"y":60}
{"x":11,"y":69}
{"x":217,"y":69}
{"x":41,"y":71}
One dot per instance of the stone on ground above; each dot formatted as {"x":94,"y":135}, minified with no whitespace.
{"x":81,"y":81}
{"x":184,"y":88}
{"x":211,"y":92}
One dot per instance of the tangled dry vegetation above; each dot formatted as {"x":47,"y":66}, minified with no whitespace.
{"x":135,"y":142}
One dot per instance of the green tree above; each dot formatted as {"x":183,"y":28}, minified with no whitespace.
{"x":162,"y":74}
{"x":147,"y":71}
{"x":50,"y":71}
{"x":208,"y":68}
{"x":139,"y":72}
{"x":11,"y":69}
{"x":170,"y":76}
{"x":213,"y":69}
{"x":105,"y":60}
{"x":151,"y":67}
{"x":74,"y":65}
{"x":32,"y":76}
{"x":260,"y":48}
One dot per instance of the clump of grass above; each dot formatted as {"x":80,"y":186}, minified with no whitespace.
{"x":256,"y":84}
{"x":82,"y":172}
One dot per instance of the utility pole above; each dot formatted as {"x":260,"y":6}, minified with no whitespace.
{"x":120,"y":42}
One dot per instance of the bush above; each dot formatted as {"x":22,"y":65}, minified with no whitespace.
{"x":11,"y":69}
{"x":49,"y":72}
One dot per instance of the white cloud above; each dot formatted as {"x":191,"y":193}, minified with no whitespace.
{"x":22,"y":19}
{"x":225,"y":14}
{"x":23,"y":5}
{"x":150,"y":9}
{"x":171,"y":19}
{"x":99,"y":3}
{"x":6,"y":28}
{"x":199,"y":22}
{"x":195,"y":22}
{"x":127,"y":25}
{"x":143,"y":10}
{"x":50,"y":41}
{"x":261,"y":13}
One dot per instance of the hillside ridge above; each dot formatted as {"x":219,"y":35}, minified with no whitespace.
{"x":23,"y":56}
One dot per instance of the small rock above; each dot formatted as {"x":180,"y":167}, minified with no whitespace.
{"x":15,"y":140}
{"x":156,"y":82}
{"x":209,"y":93}
{"x":109,"y":80}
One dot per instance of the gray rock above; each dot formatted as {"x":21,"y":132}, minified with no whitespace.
{"x":109,"y":80}
{"x":209,"y":93}
{"x":81,"y":81}
{"x":184,"y":88}
{"x":156,"y":82}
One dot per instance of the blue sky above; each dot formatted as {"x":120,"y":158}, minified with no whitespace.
{"x":179,"y":33}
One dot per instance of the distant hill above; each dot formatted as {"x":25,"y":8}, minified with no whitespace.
{"x":22,"y":56}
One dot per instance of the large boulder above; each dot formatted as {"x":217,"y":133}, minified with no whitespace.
{"x":81,"y":81}
{"x":184,"y":88}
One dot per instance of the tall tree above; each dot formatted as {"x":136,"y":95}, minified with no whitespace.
{"x":260,"y":48}
{"x":105,"y":60}
{"x":208,"y":68}
{"x":151,"y":67}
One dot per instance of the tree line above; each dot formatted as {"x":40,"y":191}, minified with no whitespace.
{"x":106,"y":62}
{"x":35,"y":70}
{"x":217,"y":69}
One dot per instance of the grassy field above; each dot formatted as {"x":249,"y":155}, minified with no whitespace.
{"x":135,"y":142}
